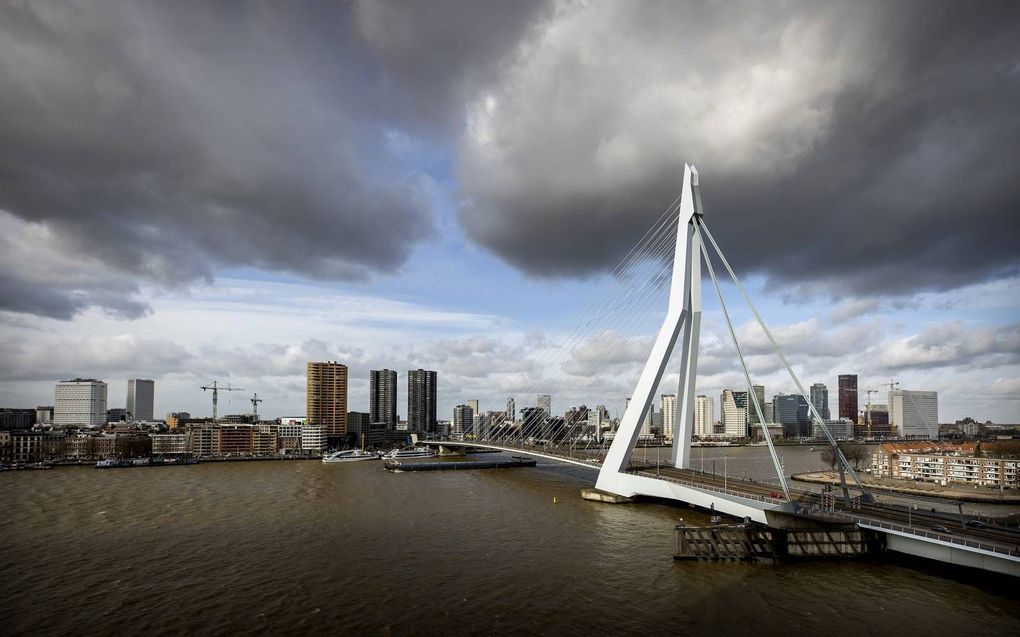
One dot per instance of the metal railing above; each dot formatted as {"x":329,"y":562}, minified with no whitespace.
{"x":871,"y":522}
{"x":707,"y":487}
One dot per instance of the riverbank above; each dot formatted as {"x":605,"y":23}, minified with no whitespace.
{"x":927,"y":489}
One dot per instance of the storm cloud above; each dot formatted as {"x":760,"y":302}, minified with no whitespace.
{"x":844,"y":147}
{"x":167,"y":141}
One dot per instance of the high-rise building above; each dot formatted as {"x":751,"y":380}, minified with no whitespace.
{"x":326,"y":397}
{"x":382,"y":397}
{"x":914,"y":413}
{"x":792,"y":411}
{"x":667,"y":404}
{"x":140,"y":395}
{"x":752,"y":415}
{"x":421,"y":401}
{"x":741,"y":399}
{"x":876,"y":421}
{"x":848,"y":397}
{"x":473,"y":404}
{"x":463,"y":420}
{"x":357,"y":423}
{"x":511,"y":410}
{"x":734,"y":416}
{"x":532,"y":421}
{"x":820,"y":399}
{"x":646,"y":422}
{"x":80,"y":402}
{"x":704,"y":416}
{"x":544,"y":402}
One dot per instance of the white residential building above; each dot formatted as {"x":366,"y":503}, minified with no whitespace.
{"x":668,"y":406}
{"x":704,"y":416}
{"x":80,"y":402}
{"x":463,"y":421}
{"x":914,"y":413}
{"x":313,"y":438}
{"x":734,"y":417}
{"x":944,"y":464}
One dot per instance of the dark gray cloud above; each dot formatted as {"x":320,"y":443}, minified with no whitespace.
{"x":844,"y":147}
{"x":167,"y":140}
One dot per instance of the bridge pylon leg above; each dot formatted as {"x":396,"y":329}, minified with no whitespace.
{"x":684,"y":314}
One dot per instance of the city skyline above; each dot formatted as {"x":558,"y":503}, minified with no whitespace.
{"x":839,"y":224}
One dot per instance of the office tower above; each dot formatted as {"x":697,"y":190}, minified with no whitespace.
{"x":421,"y":401}
{"x":734,"y":416}
{"x":820,"y":399}
{"x":473,"y":404}
{"x":80,"y":402}
{"x":532,"y":420}
{"x":544,"y":402}
{"x":463,"y":420}
{"x":383,"y":397}
{"x":914,"y":413}
{"x":792,"y":411}
{"x":668,"y":406}
{"x":511,"y":410}
{"x":848,"y":397}
{"x":140,"y":394}
{"x":326,"y":397}
{"x":876,"y":420}
{"x":704,"y":416}
{"x":752,"y":415}
{"x":357,"y":423}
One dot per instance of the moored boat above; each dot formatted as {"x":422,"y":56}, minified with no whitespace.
{"x":412,"y":452}
{"x":349,"y":455}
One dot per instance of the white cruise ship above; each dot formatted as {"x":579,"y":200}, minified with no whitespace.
{"x":413,"y":452}
{"x":349,"y":455}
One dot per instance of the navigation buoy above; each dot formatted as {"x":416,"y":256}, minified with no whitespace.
{"x":554,"y":499}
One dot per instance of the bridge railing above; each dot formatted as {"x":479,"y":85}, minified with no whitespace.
{"x":707,"y":487}
{"x":859,"y":519}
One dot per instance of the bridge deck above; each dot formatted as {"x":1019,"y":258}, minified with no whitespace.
{"x":996,"y":539}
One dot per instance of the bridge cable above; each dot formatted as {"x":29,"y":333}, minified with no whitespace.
{"x":743,"y":363}
{"x":844,"y":464}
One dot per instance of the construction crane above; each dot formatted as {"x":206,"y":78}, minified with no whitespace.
{"x":216,"y":388}
{"x":255,"y":400}
{"x":891,"y":384}
{"x":867,"y":411}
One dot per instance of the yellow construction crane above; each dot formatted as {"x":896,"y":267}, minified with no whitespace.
{"x":216,"y":388}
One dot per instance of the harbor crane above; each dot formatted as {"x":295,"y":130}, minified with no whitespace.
{"x":216,"y":388}
{"x":255,"y":400}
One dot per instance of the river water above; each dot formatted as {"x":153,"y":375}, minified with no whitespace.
{"x":303,"y":547}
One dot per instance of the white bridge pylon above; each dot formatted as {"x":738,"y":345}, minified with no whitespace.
{"x":683,"y":315}
{"x":683,"y":323}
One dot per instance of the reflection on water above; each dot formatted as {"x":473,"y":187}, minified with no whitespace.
{"x":302,"y":546}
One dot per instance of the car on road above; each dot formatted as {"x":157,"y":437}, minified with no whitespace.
{"x":975,"y":524}
{"x":938,"y":528}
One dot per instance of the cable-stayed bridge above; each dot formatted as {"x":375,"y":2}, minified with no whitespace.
{"x":669,"y":259}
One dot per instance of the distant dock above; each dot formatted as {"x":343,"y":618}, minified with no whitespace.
{"x":513,"y":463}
